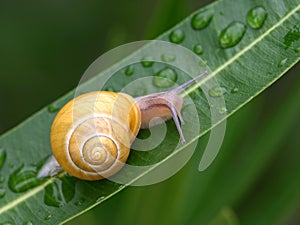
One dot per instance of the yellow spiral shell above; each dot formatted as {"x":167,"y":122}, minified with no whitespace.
{"x":91,"y":135}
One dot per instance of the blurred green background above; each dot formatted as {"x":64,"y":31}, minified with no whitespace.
{"x":45,"y":47}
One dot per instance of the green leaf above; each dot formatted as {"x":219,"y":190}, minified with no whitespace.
{"x":258,"y":58}
{"x":240,"y":167}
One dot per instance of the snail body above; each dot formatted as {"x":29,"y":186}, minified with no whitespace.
{"x":92,"y":134}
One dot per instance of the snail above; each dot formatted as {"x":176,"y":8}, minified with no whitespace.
{"x":92,"y":134}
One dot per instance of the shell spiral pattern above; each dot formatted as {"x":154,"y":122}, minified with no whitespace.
{"x":92,"y":134}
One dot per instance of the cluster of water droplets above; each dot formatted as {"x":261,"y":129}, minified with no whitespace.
{"x":3,"y":156}
{"x":229,"y":37}
{"x":24,"y":178}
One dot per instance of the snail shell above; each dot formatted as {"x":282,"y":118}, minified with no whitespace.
{"x":91,"y":135}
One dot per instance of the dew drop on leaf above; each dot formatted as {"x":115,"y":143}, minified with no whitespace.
{"x":282,"y":62}
{"x":129,"y":70}
{"x":53,"y":108}
{"x":79,"y":202}
{"x":177,"y":36}
{"x":202,"y":63}
{"x":232,"y":34}
{"x":297,"y":49}
{"x":198,"y":49}
{"x":222,"y":110}
{"x":109,"y":89}
{"x":202,"y":19}
{"x":2,"y":192}
{"x":168,"y":57}
{"x":100,"y":199}
{"x":48,"y":217}
{"x":137,"y":92}
{"x":165,"y":78}
{"x":53,"y":196}
{"x":217,"y":91}
{"x":256,"y":17}
{"x":61,"y":192}
{"x":292,"y":36}
{"x":234,"y":90}
{"x":147,"y":61}
{"x":68,"y":188}
{"x":2,"y":157}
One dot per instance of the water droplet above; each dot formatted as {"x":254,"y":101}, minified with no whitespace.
{"x":129,"y":70}
{"x":217,"y":91}
{"x":168,"y":57}
{"x":2,"y":179}
{"x":177,"y":36}
{"x":68,"y":188}
{"x":147,"y":61}
{"x":256,"y":17}
{"x":165,"y":78}
{"x":292,"y":36}
{"x":222,"y":110}
{"x":48,"y":217}
{"x":23,"y":179}
{"x":282,"y":62}
{"x":2,"y":192}
{"x":53,"y":108}
{"x":297,"y":49}
{"x":100,"y":198}
{"x":234,"y":90}
{"x":109,"y":89}
{"x":202,"y":63}
{"x":28,"y":223}
{"x":61,"y":192}
{"x":2,"y":157}
{"x":137,"y":92}
{"x":202,"y":19}
{"x":79,"y":202}
{"x":53,"y":196}
{"x":198,"y":49}
{"x":232,"y":34}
